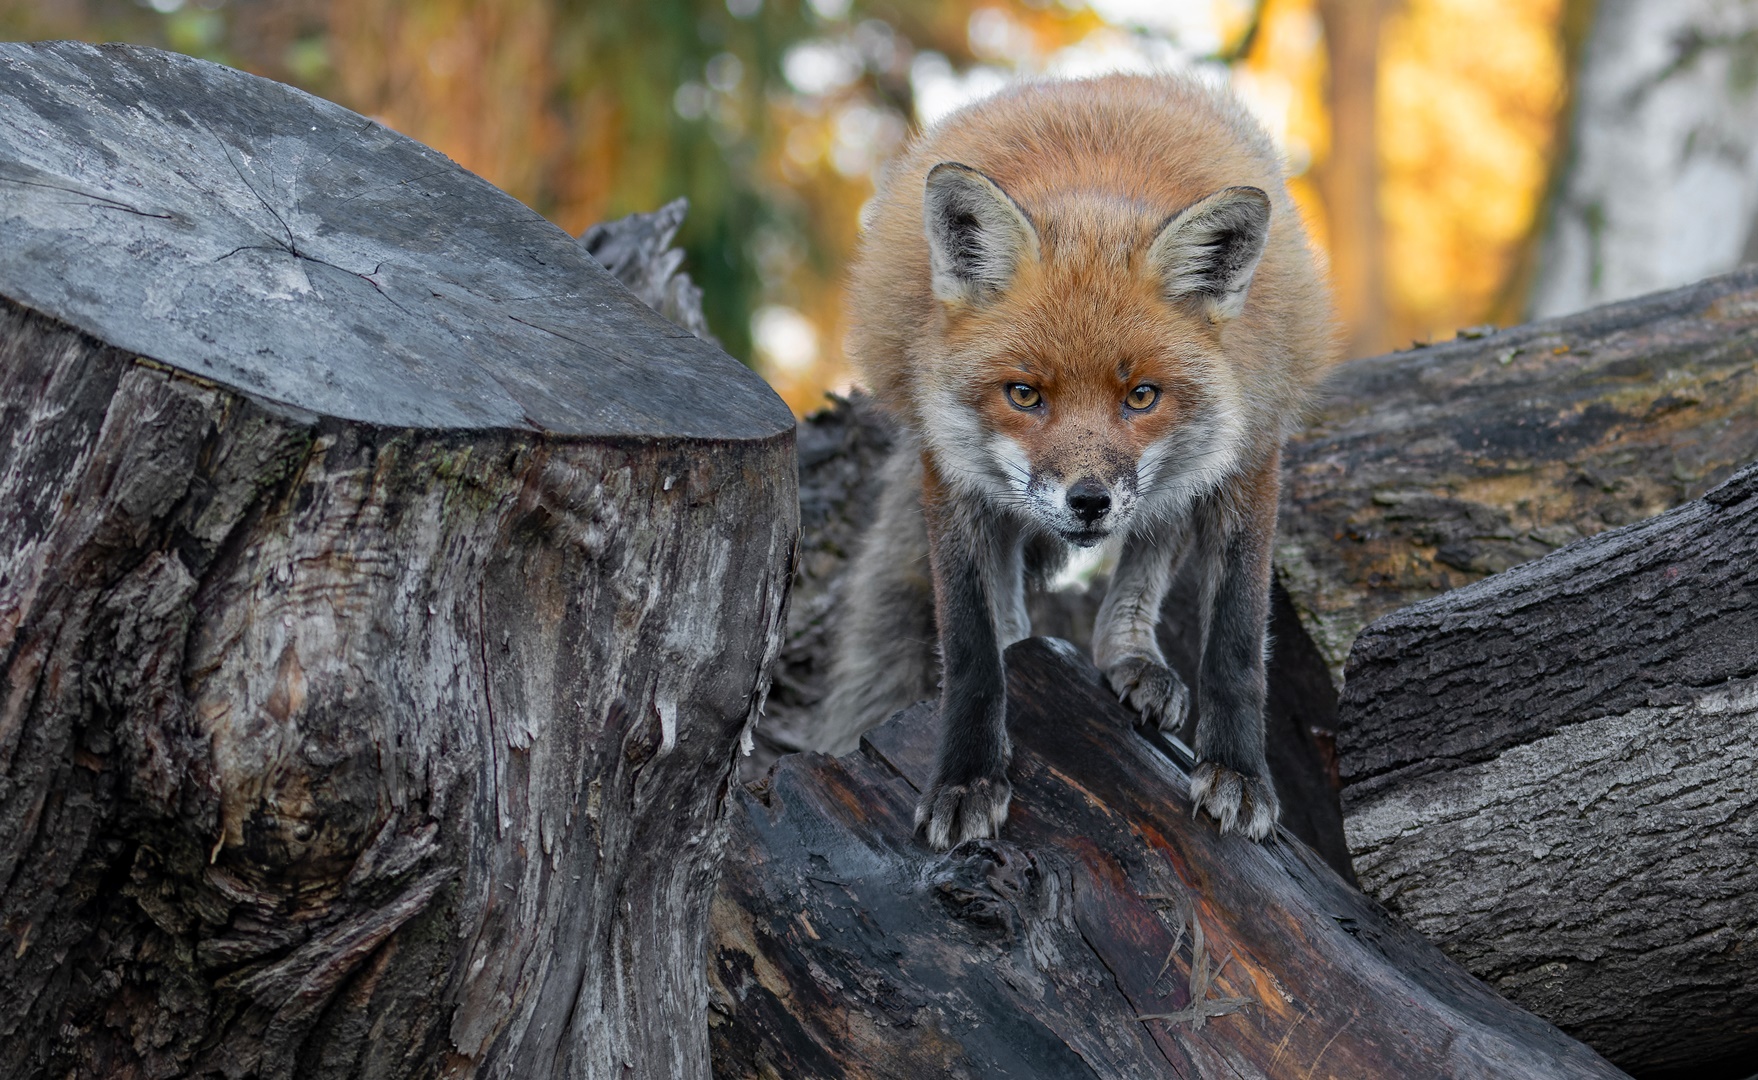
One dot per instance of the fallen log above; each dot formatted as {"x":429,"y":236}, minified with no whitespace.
{"x":1432,"y":468}
{"x":1108,"y":933}
{"x":1553,"y":774}
{"x":384,"y":593}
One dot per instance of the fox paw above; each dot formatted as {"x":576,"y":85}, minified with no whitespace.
{"x":950,"y":814}
{"x":1239,"y":802}
{"x":1151,"y":689}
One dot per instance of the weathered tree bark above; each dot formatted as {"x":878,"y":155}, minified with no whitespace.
{"x":1553,"y":774}
{"x":384,"y":593}
{"x":1430,"y":469}
{"x":1108,"y":933}
{"x":1661,"y":185}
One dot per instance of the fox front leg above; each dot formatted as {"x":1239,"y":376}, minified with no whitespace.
{"x":972,"y":562}
{"x":1126,"y":644}
{"x":1232,"y":778}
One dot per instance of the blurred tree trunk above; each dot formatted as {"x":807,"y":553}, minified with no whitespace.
{"x":1661,"y":184}
{"x":1512,"y":298}
{"x":1348,"y":176}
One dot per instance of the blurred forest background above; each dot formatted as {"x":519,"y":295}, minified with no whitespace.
{"x":1428,"y":141}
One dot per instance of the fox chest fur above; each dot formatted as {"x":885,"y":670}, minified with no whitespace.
{"x":1092,"y":308}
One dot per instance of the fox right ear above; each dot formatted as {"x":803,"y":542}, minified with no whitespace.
{"x":1209,"y":251}
{"x":977,"y":234}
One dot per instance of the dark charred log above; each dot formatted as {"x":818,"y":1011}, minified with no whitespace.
{"x":1108,"y":933}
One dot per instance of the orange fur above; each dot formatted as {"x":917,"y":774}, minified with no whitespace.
{"x":1098,"y":166}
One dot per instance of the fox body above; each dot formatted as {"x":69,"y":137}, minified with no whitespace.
{"x":1092,"y":308}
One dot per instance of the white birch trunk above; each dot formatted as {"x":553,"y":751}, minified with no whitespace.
{"x":1662,"y":188}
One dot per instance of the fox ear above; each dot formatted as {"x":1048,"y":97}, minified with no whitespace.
{"x":1209,"y":251}
{"x":977,"y":234}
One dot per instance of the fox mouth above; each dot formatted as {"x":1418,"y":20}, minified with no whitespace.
{"x":1085,"y":538}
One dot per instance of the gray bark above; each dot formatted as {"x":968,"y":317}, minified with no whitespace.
{"x":1553,"y":774}
{"x":1661,"y":187}
{"x":384,"y":596}
{"x":1433,"y":468}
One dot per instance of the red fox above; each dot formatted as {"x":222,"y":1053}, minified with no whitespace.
{"x":1092,"y":308}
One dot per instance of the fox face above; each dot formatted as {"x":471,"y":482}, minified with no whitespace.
{"x":1080,"y":381}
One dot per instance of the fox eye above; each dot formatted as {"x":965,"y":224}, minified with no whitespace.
{"x":1023,"y":396}
{"x":1142,"y":397}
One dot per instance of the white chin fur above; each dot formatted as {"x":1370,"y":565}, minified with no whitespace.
{"x":1086,"y":540}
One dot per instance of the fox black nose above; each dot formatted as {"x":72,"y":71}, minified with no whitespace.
{"x":1089,"y":500}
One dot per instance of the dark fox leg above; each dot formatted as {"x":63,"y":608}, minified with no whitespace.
{"x":976,"y":563}
{"x":885,"y":657}
{"x":1236,"y":528}
{"x":1125,"y":640}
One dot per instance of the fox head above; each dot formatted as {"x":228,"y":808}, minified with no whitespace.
{"x":1079,"y":379}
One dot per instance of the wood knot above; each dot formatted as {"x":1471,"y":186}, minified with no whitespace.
{"x":987,"y":883}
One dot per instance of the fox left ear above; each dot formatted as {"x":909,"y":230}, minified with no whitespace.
{"x":1210,"y":250}
{"x":977,"y":234}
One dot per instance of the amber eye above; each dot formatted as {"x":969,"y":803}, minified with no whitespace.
{"x":1023,"y":396}
{"x":1142,"y":397}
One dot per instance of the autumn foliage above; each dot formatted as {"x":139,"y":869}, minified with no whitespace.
{"x":1420,"y":136}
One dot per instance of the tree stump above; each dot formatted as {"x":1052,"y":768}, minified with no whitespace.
{"x":1553,"y":774}
{"x":1108,"y":933}
{"x":384,"y":596}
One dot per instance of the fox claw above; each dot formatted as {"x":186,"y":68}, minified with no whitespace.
{"x":1151,"y":689}
{"x":953,"y":813}
{"x":1240,"y":803}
